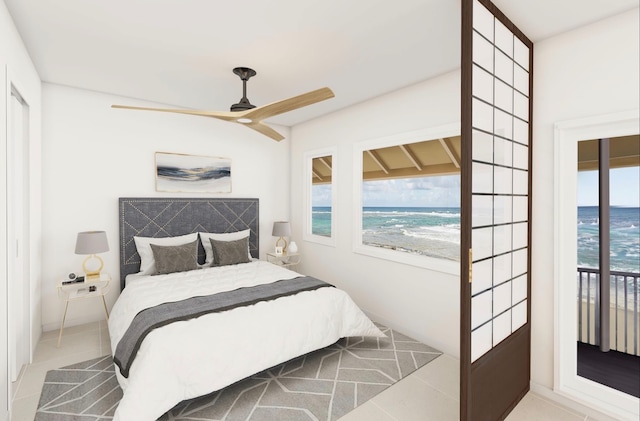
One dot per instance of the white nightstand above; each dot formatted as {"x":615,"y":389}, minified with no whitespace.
{"x":288,"y":260}
{"x":81,"y":290}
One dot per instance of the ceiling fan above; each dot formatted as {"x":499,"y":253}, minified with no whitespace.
{"x":248,"y":114}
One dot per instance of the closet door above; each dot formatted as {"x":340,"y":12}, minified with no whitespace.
{"x":496,"y":208}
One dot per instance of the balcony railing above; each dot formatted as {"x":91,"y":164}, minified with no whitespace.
{"x":624,"y":307}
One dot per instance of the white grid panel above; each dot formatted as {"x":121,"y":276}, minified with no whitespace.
{"x":500,"y":186}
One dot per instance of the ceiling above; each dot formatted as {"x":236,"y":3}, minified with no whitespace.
{"x":181,"y":52}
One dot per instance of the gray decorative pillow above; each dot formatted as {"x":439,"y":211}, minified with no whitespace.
{"x":230,"y":252}
{"x":170,"y":259}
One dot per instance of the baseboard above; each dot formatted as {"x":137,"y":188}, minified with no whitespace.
{"x":552,"y":396}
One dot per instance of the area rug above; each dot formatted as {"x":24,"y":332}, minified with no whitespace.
{"x":322,"y":385}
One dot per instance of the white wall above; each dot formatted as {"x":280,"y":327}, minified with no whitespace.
{"x":584,"y":73}
{"x":95,"y":154}
{"x":421,"y":303}
{"x":16,"y":67}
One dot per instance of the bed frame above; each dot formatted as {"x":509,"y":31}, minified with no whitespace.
{"x":167,"y":217}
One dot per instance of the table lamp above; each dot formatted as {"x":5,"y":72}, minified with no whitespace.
{"x":281,"y":229}
{"x":91,"y":243}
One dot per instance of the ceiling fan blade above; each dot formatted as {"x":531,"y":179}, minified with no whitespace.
{"x":252,"y":117}
{"x":265,"y":130}
{"x":222,"y":115}
{"x":290,"y":104}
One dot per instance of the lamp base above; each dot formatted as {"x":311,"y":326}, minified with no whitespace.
{"x":92,"y":274}
{"x":284,"y":248}
{"x":92,"y":277}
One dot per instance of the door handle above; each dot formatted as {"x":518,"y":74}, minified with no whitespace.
{"x":470,"y":265}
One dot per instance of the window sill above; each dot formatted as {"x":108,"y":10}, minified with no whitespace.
{"x":449,"y":267}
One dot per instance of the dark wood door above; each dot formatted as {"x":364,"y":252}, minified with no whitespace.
{"x":495,"y":261}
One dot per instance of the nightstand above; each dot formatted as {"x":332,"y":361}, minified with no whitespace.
{"x":82,"y":290}
{"x":287,"y":260}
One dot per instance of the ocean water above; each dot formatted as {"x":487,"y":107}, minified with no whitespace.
{"x":624,"y":238}
{"x":321,"y":221}
{"x":436,"y":232}
{"x":624,"y":253}
{"x":431,"y":232}
{"x":428,"y":231}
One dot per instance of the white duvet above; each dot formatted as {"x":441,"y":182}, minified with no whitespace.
{"x":191,"y":358}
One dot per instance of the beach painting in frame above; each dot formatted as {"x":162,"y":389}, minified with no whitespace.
{"x":192,"y":173}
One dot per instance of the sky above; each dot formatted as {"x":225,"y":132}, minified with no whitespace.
{"x":445,"y":191}
{"x":624,"y":187}
{"x":441,"y":191}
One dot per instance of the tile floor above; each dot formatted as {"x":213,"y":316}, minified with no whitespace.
{"x":430,"y":393}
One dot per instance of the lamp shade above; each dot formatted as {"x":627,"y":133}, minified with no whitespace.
{"x":91,"y":242}
{"x":281,"y":229}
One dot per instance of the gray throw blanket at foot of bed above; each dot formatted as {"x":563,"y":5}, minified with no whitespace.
{"x":163,"y":314}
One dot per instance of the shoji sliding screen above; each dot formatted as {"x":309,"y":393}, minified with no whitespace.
{"x":496,"y":174}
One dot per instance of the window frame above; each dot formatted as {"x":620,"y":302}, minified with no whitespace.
{"x":566,"y":381}
{"x":307,"y":234}
{"x":433,"y":263}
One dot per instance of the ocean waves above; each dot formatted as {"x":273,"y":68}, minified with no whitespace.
{"x":427,"y":231}
{"x":624,"y":236}
{"x":410,"y":212}
{"x":436,"y":232}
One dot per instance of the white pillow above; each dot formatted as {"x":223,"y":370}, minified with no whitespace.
{"x":143,"y":245}
{"x":227,"y":236}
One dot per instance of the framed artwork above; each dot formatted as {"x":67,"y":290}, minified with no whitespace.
{"x":192,"y":173}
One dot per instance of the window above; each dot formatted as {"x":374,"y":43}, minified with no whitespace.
{"x":568,"y":135}
{"x":608,"y":213}
{"x":320,"y":201}
{"x":409,"y":200}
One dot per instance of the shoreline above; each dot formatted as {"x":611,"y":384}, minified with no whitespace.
{"x":409,"y":250}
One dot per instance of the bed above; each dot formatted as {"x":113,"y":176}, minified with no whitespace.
{"x":186,"y":333}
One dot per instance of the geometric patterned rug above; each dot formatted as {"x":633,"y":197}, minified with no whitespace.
{"x":322,"y":385}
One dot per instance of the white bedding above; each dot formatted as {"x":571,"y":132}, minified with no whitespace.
{"x":191,"y":358}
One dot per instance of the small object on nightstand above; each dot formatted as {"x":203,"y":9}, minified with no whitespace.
{"x":74,"y":280}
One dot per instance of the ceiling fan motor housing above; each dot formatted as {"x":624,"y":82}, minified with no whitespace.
{"x":245,"y":73}
{"x":243,"y":105}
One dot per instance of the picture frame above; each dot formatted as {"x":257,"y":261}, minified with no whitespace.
{"x":184,"y":173}
{"x":278,"y":250}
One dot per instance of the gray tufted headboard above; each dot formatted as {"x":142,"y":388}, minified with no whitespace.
{"x":166,"y":217}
